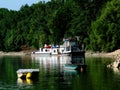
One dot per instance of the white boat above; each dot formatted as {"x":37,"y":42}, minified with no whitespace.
{"x":70,"y":46}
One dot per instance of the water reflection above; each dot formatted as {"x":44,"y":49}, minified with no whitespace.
{"x":29,"y":81}
{"x":24,"y":81}
{"x":53,"y":76}
{"x":56,"y":66}
{"x":24,"y":84}
{"x":50,"y":63}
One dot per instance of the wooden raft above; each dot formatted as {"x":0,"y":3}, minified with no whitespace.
{"x":28,"y":73}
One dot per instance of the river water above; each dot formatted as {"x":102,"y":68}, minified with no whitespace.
{"x":53,"y":76}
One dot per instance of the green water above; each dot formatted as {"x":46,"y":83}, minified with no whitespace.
{"x":52,"y":75}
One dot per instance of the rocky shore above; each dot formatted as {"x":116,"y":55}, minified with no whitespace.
{"x":116,"y":56}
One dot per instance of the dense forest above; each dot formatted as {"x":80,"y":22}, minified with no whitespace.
{"x":95,"y":21}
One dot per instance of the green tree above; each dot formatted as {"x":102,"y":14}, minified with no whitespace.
{"x":105,"y":30}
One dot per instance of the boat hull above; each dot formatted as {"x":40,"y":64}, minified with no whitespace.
{"x":77,"y":67}
{"x":70,"y":67}
{"x":75,"y":53}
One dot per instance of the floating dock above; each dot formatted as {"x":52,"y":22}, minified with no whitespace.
{"x":28,"y":73}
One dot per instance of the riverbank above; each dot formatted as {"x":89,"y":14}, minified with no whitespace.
{"x":115,"y":54}
{"x":21,"y":53}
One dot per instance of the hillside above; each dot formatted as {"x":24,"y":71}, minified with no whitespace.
{"x":96,"y":22}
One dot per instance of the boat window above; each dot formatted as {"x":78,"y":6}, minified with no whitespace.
{"x":46,"y":50}
{"x":68,"y":49}
{"x":54,"y":50}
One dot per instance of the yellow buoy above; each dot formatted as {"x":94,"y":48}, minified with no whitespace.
{"x":29,"y":75}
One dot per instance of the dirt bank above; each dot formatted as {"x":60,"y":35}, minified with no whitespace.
{"x":97,"y":54}
{"x":21,"y":53}
{"x":115,"y":54}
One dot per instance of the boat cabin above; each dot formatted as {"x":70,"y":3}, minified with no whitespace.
{"x":70,"y":46}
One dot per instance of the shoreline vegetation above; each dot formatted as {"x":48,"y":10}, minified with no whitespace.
{"x":115,"y":54}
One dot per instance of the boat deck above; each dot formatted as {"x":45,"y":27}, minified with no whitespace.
{"x":27,"y":73}
{"x":27,"y":70}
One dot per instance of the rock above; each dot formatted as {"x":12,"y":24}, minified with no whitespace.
{"x":115,"y":64}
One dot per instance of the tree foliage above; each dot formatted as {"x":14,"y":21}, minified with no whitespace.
{"x":95,"y":21}
{"x":106,"y":29}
